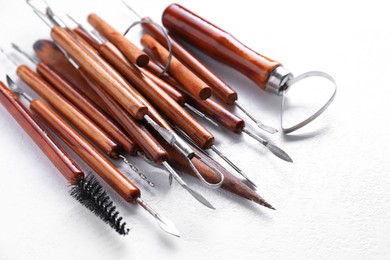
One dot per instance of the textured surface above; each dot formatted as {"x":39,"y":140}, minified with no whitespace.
{"x":332,"y":203}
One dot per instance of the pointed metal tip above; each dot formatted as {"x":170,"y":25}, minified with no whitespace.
{"x":266,"y":128}
{"x":279,"y":153}
{"x":9,"y":80}
{"x":167,"y":225}
{"x":199,"y":197}
{"x":15,"y":46}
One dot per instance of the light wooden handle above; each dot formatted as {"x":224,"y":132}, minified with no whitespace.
{"x":119,"y":182}
{"x":132,"y":52}
{"x":66,"y":109}
{"x":64,"y":163}
{"x":180,"y":72}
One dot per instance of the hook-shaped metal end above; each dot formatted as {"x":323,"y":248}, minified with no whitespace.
{"x":200,"y":176}
{"x":46,"y":14}
{"x":295,"y":80}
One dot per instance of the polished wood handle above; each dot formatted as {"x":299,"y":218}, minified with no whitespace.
{"x":86,"y":106}
{"x":64,"y":163}
{"x":159,"y":98}
{"x":101,"y":72}
{"x":82,"y":34}
{"x":180,"y":72}
{"x":218,"y":86}
{"x":132,"y":52}
{"x":66,"y":109}
{"x":119,"y":182}
{"x":134,"y":128}
{"x":217,"y":43}
{"x":51,"y":55}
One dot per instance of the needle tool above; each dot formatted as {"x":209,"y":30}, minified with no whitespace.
{"x":220,"y":88}
{"x":86,"y":190}
{"x":266,"y":73}
{"x":108,"y":79}
{"x":106,"y":170}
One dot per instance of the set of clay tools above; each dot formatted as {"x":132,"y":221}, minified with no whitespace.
{"x":108,"y":100}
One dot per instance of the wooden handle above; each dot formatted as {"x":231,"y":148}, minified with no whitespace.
{"x":180,"y":72}
{"x":101,"y":72}
{"x":51,"y":55}
{"x":135,"y":129}
{"x":87,"y":107}
{"x":119,"y":182}
{"x":132,"y":52}
{"x":217,"y":43}
{"x":218,"y":86}
{"x":82,"y":34}
{"x":64,"y":163}
{"x":171,"y":91}
{"x":65,"y":108}
{"x":159,"y":98}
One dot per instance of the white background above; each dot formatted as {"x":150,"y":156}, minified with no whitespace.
{"x":332,"y":203}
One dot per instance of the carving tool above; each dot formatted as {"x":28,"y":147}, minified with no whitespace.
{"x":266,"y":73}
{"x":197,"y":87}
{"x":220,"y":88}
{"x":119,"y":182}
{"x":89,"y":109}
{"x":86,"y":190}
{"x":101,"y":73}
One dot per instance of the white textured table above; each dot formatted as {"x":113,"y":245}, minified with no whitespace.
{"x":332,"y":203}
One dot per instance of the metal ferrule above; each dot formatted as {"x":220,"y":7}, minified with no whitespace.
{"x":183,"y":147}
{"x":277,"y":81}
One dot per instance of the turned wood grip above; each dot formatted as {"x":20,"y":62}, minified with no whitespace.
{"x":100,"y":72}
{"x":64,"y":163}
{"x":171,"y":91}
{"x":217,"y":43}
{"x":132,"y":52}
{"x":180,"y":72}
{"x":218,"y":86}
{"x":66,"y":109}
{"x":134,"y":128}
{"x":160,"y":99}
{"x":119,"y":182}
{"x":87,"y":107}
{"x":51,"y":55}
{"x":83,"y":35}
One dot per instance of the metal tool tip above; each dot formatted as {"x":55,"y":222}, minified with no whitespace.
{"x":268,"y":129}
{"x":167,"y":225}
{"x":9,"y":80}
{"x":199,"y":197}
{"x":15,"y":46}
{"x":279,"y":153}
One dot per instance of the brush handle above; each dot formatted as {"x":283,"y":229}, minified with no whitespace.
{"x":119,"y":182}
{"x":86,"y":106}
{"x":159,"y":98}
{"x":180,"y":72}
{"x":51,"y":55}
{"x":132,"y":52}
{"x":217,"y":43}
{"x":64,"y":163}
{"x":101,"y":72}
{"x":66,"y":109}
{"x":134,"y":128}
{"x":218,"y":86}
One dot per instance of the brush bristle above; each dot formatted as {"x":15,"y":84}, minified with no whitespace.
{"x":91,"y":194}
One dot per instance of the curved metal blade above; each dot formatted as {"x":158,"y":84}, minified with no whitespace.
{"x":198,"y":197}
{"x":279,"y":153}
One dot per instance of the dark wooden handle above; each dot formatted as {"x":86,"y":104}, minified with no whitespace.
{"x":134,"y":128}
{"x":51,"y":55}
{"x":180,"y":72}
{"x":132,"y":52}
{"x":159,"y":98}
{"x":217,"y":43}
{"x":82,"y":34}
{"x":66,"y":109}
{"x":87,"y":107}
{"x":218,"y":86}
{"x":101,"y":72}
{"x":119,"y":182}
{"x":64,"y":163}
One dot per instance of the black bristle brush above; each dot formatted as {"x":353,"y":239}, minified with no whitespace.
{"x":86,"y":190}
